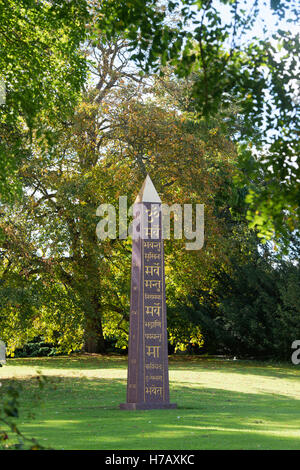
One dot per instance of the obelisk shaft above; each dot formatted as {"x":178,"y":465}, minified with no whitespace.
{"x":148,"y":379}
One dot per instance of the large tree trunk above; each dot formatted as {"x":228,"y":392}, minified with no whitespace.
{"x":93,"y":333}
{"x":93,"y":338}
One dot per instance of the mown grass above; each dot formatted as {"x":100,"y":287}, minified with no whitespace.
{"x":222,"y":404}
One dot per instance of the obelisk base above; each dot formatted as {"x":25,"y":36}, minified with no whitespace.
{"x":147,"y":406}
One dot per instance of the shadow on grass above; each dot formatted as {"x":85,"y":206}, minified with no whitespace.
{"x":80,"y":413}
{"x":74,"y":361}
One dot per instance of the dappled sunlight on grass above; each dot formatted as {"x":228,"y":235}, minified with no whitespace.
{"x":75,"y":361}
{"x":230,"y":365}
{"x":247,"y":383}
{"x":221,"y":405}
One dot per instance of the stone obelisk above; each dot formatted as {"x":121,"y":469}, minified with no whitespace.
{"x":148,"y":377}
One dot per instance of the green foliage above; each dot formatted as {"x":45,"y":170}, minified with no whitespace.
{"x":229,"y":60}
{"x":254,"y":310}
{"x":55,"y":279}
{"x":58,"y":281}
{"x":31,"y":307}
{"x":11,"y":438}
{"x":42,"y":70}
{"x":184,"y":334}
{"x":37,"y":347}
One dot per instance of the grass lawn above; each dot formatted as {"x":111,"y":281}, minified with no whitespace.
{"x":222,"y":404}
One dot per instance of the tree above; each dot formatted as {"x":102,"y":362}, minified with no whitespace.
{"x":42,"y":72}
{"x":253,"y":310}
{"x":191,"y":36}
{"x":103,"y":152}
{"x":260,"y":72}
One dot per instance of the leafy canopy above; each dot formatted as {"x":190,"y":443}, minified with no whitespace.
{"x":41,"y":72}
{"x":219,"y":42}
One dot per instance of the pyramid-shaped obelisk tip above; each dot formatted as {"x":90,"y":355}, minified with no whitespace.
{"x":148,"y":192}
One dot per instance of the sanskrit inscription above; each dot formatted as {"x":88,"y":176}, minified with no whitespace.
{"x":148,"y":380}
